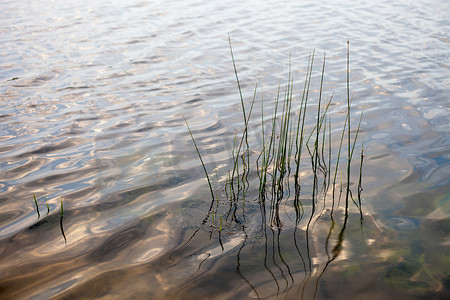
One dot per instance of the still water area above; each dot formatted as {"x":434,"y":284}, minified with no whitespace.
{"x":103,"y":194}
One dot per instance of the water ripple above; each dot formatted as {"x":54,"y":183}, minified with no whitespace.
{"x":93,"y":100}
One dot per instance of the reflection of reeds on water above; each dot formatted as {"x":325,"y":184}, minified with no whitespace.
{"x":280,"y":164}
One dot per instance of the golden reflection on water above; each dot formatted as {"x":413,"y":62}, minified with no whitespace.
{"x":135,"y":247}
{"x":138,"y":238}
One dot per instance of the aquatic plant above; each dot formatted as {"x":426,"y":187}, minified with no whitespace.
{"x":282,"y":147}
{"x":203,"y":165}
{"x":267,"y":177}
{"x":37,"y":206}
{"x":46,"y":203}
{"x":61,"y":216}
{"x":61,"y":222}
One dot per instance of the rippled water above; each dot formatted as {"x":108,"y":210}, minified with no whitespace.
{"x":92,"y":99}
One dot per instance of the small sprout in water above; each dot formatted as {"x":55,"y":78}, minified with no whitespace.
{"x":37,"y":206}
{"x":60,"y":222}
{"x":48,"y":207}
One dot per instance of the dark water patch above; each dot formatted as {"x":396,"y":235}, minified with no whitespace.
{"x":379,"y":156}
{"x":139,"y":62}
{"x":24,"y":167}
{"x":74,"y":130}
{"x":75,"y":88}
{"x":167,"y":183}
{"x":35,"y":82}
{"x":195,"y":100}
{"x":116,"y":243}
{"x":440,"y":228}
{"x":423,"y":203}
{"x":166,"y":107}
{"x":54,"y":147}
{"x":84,"y":192}
{"x":6,"y":149}
{"x":113,"y":142}
{"x":146,"y":128}
{"x":119,"y":126}
{"x":128,"y":196}
{"x":63,"y":178}
{"x":27,"y":278}
{"x":93,"y":118}
{"x":6,"y":217}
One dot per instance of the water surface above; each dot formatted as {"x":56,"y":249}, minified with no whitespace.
{"x":92,"y":99}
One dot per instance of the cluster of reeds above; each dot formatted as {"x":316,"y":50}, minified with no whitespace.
{"x":61,"y":216}
{"x":289,"y":144}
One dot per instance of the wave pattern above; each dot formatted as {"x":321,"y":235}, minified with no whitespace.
{"x":92,"y":99}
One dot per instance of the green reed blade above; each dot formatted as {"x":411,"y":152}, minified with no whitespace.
{"x":316,"y":143}
{"x":261,"y":173}
{"x":349,"y":158}
{"x":48,"y":207}
{"x":61,"y":223}
{"x":201,"y":160}
{"x":360,"y":180}
{"x":37,"y":206}
{"x":327,"y":106}
{"x":357,"y":131}
{"x":62,"y":230}
{"x":305,"y":98}
{"x":244,"y":134}
{"x":240,"y":91}
{"x":329,"y":154}
{"x":339,"y":152}
{"x":237,"y":79}
{"x":322,"y":163}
